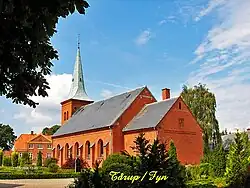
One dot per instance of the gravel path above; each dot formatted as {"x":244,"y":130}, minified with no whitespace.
{"x":35,"y":183}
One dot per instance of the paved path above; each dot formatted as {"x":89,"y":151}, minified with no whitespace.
{"x":35,"y":183}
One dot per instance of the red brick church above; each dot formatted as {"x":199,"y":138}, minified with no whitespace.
{"x":94,"y":130}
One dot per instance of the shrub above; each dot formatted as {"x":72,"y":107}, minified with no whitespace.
{"x":14,"y":156}
{"x":25,"y":159}
{"x":39,"y":159}
{"x":6,"y":161}
{"x":70,"y":164}
{"x":37,"y":176}
{"x":53,"y":167}
{"x":1,"y":157}
{"x":48,"y":161}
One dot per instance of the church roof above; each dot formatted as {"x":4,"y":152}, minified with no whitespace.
{"x":77,"y":90}
{"x":99,"y":114}
{"x":150,"y":115}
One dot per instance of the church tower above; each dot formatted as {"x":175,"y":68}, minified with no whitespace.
{"x":77,"y":95}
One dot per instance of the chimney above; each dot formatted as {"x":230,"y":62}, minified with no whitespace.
{"x":248,"y":129}
{"x":165,"y":93}
{"x":32,"y":132}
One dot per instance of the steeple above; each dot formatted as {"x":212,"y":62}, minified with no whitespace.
{"x":77,"y":90}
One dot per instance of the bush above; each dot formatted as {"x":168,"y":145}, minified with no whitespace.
{"x":39,"y":161}
{"x":37,"y":176}
{"x":25,"y":159}
{"x":7,"y":161}
{"x":14,"y":156}
{"x":70,"y":164}
{"x":53,"y":167}
{"x":1,"y":157}
{"x":48,"y":161}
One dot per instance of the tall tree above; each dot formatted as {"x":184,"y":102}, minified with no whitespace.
{"x":25,"y":49}
{"x":7,"y":137}
{"x":39,"y":161}
{"x":51,"y":130}
{"x":203,"y":106}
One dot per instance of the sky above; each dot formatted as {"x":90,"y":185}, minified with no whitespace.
{"x":126,"y":44}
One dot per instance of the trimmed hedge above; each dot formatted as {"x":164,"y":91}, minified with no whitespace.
{"x":37,"y":176}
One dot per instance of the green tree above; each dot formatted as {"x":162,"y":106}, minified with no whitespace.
{"x":25,"y":159}
{"x":6,"y":161}
{"x":7,"y":136}
{"x":202,"y":103}
{"x":25,"y":49}
{"x":1,"y":157}
{"x":237,"y":161}
{"x":39,"y":161}
{"x":50,"y":131}
{"x":14,"y":159}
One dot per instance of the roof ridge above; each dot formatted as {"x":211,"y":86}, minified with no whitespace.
{"x":166,"y":100}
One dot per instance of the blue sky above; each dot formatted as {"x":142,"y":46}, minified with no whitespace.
{"x":126,"y":44}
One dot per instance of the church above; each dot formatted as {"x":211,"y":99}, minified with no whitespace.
{"x":92,"y":130}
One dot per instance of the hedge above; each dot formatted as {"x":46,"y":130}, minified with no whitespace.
{"x":37,"y":176}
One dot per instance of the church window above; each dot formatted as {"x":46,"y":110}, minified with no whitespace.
{"x":179,"y":105}
{"x":64,"y":116}
{"x":67,"y":115}
{"x":58,"y":151}
{"x":80,"y":79}
{"x":67,"y":152}
{"x":76,"y":149}
{"x":87,"y":150}
{"x":100,"y":148}
{"x":181,"y":122}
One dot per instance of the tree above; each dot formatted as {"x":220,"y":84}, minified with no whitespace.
{"x":14,"y":159}
{"x":7,"y":137}
{"x":237,"y":161}
{"x":25,"y":159}
{"x":25,"y":49}
{"x":50,"y":131}
{"x":1,"y":157}
{"x":39,"y":161}
{"x":203,"y":106}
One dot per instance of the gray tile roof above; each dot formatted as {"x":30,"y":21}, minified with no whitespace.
{"x":99,"y":114}
{"x":150,"y":115}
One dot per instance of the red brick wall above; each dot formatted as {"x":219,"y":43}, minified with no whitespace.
{"x":187,"y":139}
{"x":144,"y":98}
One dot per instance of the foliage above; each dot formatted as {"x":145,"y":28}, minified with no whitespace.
{"x":39,"y":161}
{"x":25,"y":49}
{"x":70,"y":164}
{"x":25,"y":159}
{"x":6,"y":161}
{"x":51,"y":130}
{"x":48,"y":161}
{"x":37,"y":176}
{"x":14,"y":160}
{"x":202,"y":103}
{"x":237,"y":161}
{"x":1,"y":157}
{"x":7,"y":136}
{"x":53,"y":167}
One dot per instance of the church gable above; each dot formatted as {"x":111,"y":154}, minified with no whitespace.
{"x":39,"y":138}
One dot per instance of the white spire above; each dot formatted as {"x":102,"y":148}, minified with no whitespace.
{"x":77,"y":90}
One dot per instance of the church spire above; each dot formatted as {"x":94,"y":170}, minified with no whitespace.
{"x":77,"y":90}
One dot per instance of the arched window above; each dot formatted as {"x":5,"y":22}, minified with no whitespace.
{"x":76,"y":149}
{"x":87,"y":150}
{"x":67,"y":115}
{"x":64,"y":116}
{"x":180,"y":105}
{"x":58,"y":151}
{"x":100,"y":148}
{"x":66,"y":151}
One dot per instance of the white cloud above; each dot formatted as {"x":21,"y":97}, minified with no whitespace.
{"x":48,"y":111}
{"x":144,"y":37}
{"x":224,"y":61}
{"x":106,"y":93}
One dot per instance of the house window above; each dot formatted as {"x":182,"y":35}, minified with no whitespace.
{"x":31,"y":156}
{"x":49,"y":146}
{"x":179,"y":105}
{"x":39,"y":146}
{"x":20,"y":155}
{"x":181,"y":122}
{"x":31,"y":146}
{"x":48,"y":155}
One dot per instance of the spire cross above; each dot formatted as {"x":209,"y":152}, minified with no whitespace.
{"x":78,"y":41}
